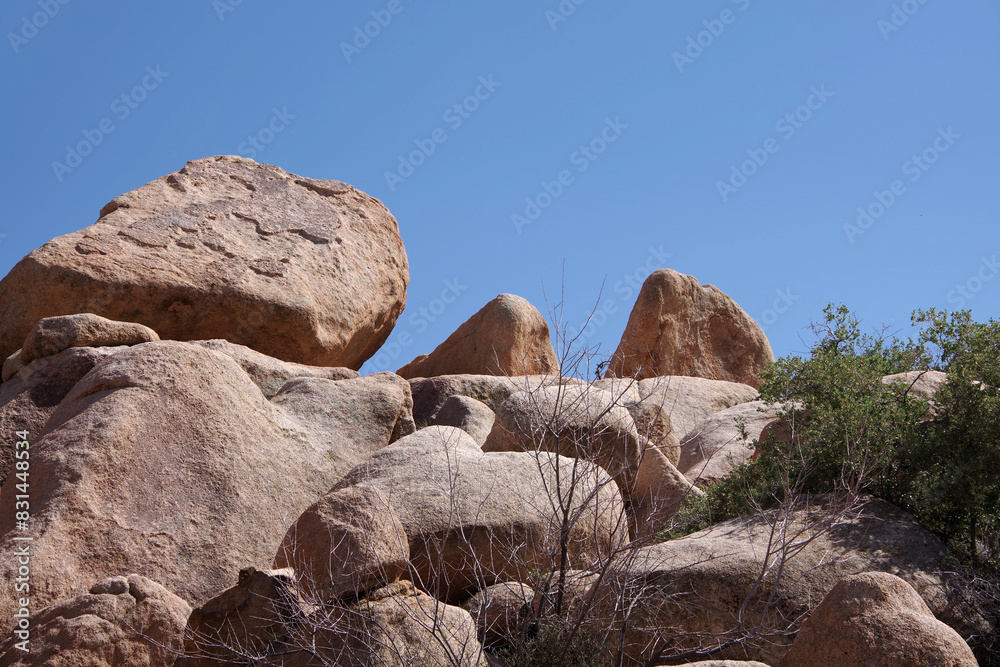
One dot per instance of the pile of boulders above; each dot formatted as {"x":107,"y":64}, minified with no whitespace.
{"x":212,"y":482}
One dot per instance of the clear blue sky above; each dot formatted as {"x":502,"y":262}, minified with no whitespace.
{"x":834,"y":99}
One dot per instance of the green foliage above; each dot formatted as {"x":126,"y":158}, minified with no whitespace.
{"x":845,"y":430}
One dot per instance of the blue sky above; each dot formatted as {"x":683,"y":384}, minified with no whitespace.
{"x":733,"y":140}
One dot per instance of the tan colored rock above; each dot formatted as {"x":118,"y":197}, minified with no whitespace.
{"x":508,"y":336}
{"x":305,"y":270}
{"x":28,"y":399}
{"x":500,"y":611}
{"x":713,"y":448}
{"x":430,"y":394}
{"x":652,"y":419}
{"x":271,"y":374}
{"x":468,"y":414}
{"x":659,"y":493}
{"x":680,"y":327}
{"x":690,"y":400}
{"x":348,"y":542}
{"x":574,"y":421}
{"x":694,"y":588}
{"x":475,"y":519}
{"x":919,"y":384}
{"x":166,"y":460}
{"x":121,"y":621}
{"x":876,"y":619}
{"x":55,"y":334}
{"x":261,"y":612}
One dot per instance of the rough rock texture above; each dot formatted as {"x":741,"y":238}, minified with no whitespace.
{"x":147,"y":452}
{"x":680,"y":327}
{"x":920,"y":384}
{"x":348,"y":542}
{"x":652,"y":418}
{"x":468,"y":414}
{"x":475,"y":519}
{"x":659,"y":492}
{"x":305,"y":270}
{"x":697,"y":584}
{"x":429,"y":394}
{"x":262,"y":611}
{"x":575,"y":421}
{"x":121,"y":621}
{"x":500,"y":611}
{"x":876,"y":619}
{"x":508,"y":336}
{"x":271,"y":374}
{"x":29,"y":398}
{"x":690,"y":401}
{"x":55,"y":334}
{"x":714,"y":447}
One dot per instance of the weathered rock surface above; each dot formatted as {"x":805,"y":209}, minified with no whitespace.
{"x":121,"y":621}
{"x":698,"y":583}
{"x":271,"y":374}
{"x":305,"y":270}
{"x":680,"y":327}
{"x":429,"y":394}
{"x":876,"y":619}
{"x":28,"y":399}
{"x":166,"y":460}
{"x":690,"y":400}
{"x":55,"y":334}
{"x":346,"y":543}
{"x":500,"y":611}
{"x":713,"y":448}
{"x":659,"y":492}
{"x":508,"y":336}
{"x":257,"y":617}
{"x":468,"y":414}
{"x":919,"y":384}
{"x":475,"y":519}
{"x":574,"y":421}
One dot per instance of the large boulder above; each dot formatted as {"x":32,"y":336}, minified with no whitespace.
{"x":166,"y":460}
{"x":690,"y":400}
{"x":712,"y":449}
{"x":474,"y":519}
{"x":346,"y":543}
{"x":876,"y":619}
{"x":468,"y":414}
{"x":680,"y":327}
{"x":698,"y":592}
{"x":500,"y":611}
{"x":127,"y":620}
{"x":430,"y":394}
{"x":508,"y":336}
{"x":305,"y":270}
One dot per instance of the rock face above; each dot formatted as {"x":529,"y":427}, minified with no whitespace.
{"x":690,"y":401}
{"x":714,"y":447}
{"x":475,"y":519}
{"x":468,"y":414}
{"x":430,"y":394}
{"x":167,"y":460}
{"x":500,"y":611}
{"x":680,"y":327}
{"x":876,"y":619}
{"x":305,"y":270}
{"x":508,"y":336}
{"x":55,"y":334}
{"x":121,"y":621}
{"x":693,"y":588}
{"x":348,"y":542}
